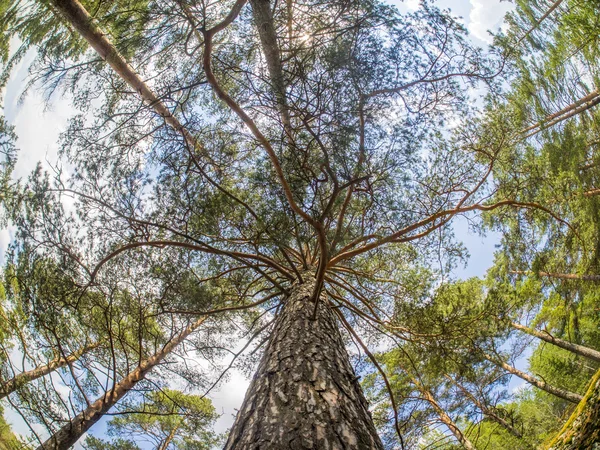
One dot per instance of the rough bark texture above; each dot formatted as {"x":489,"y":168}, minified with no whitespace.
{"x":581,"y":350}
{"x":23,"y":378}
{"x":582,"y":430}
{"x":69,"y":434}
{"x":304,"y":394}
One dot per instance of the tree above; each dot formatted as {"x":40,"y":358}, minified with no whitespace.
{"x":8,"y":441}
{"x":301,"y":158}
{"x":165,"y":419}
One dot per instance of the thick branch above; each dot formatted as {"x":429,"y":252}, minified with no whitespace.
{"x":586,"y":352}
{"x":25,"y":377}
{"x":70,"y":433}
{"x":561,"y":393}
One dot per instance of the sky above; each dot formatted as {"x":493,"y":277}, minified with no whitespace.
{"x":38,"y":126}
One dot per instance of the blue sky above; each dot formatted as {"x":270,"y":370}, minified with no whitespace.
{"x":38,"y":126}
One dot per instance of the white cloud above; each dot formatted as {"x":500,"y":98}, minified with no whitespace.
{"x":413,"y":5}
{"x":38,"y":130}
{"x":487,"y":15}
{"x":228,"y":399}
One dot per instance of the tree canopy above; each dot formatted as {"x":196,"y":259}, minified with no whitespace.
{"x":235,"y":171}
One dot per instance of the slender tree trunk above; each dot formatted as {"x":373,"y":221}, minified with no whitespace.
{"x":70,"y":433}
{"x":168,"y":439}
{"x":488,"y":412}
{"x":446,"y":419}
{"x":579,"y":106}
{"x":23,"y":378}
{"x":263,"y":19}
{"x":304,"y":394}
{"x":582,"y":430}
{"x":581,"y":350}
{"x":561,"y":276}
{"x":561,"y":393}
{"x":77,"y":16}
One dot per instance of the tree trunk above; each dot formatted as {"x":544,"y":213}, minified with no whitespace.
{"x":23,"y":378}
{"x":561,"y":276}
{"x":446,"y":419}
{"x":77,"y":16}
{"x":168,"y":439}
{"x":70,"y":433}
{"x":582,"y":430}
{"x":304,"y":394}
{"x":581,"y":350}
{"x":561,"y":393}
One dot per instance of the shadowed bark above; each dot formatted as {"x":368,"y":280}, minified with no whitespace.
{"x":304,"y":394}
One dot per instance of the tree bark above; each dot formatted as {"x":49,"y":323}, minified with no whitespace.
{"x":70,"y":433}
{"x":77,"y":16}
{"x":168,"y":439}
{"x":304,"y":394}
{"x":582,"y":430}
{"x":581,"y":350}
{"x":23,"y":378}
{"x":561,"y":393}
{"x":446,"y":419}
{"x":561,"y":276}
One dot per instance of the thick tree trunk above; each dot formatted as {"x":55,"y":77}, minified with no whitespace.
{"x":23,"y":378}
{"x":70,"y":433}
{"x":581,"y":350}
{"x":582,"y":430}
{"x":561,"y":393}
{"x":304,"y":394}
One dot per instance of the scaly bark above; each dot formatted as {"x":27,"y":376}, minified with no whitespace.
{"x":581,"y":350}
{"x":23,"y":378}
{"x":304,"y":394}
{"x":70,"y":433}
{"x":561,"y":393}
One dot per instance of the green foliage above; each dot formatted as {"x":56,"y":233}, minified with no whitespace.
{"x":166,"y":419}
{"x":8,"y":441}
{"x":334,"y":144}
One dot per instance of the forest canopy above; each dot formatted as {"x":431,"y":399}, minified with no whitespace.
{"x":276,"y":188}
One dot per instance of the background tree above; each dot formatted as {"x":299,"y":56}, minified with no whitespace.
{"x":164,"y":419}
